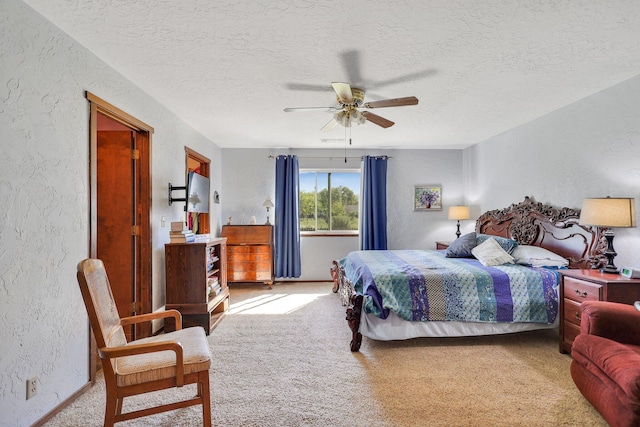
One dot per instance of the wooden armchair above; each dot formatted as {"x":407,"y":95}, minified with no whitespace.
{"x":145,"y":365}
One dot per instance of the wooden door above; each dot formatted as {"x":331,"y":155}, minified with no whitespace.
{"x":120,"y":209}
{"x":116,"y":241}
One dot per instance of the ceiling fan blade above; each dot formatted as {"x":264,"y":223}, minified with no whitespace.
{"x":343,"y":90}
{"x":330,"y":125}
{"x":327,"y":109}
{"x":404,"y":79}
{"x":308,"y":87}
{"x":396,"y":102}
{"x":380,"y":121}
{"x":351,"y":62}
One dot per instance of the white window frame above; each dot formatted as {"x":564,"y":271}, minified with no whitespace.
{"x":359,"y":193}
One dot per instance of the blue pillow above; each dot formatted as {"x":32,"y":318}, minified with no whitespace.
{"x":461,"y":247}
{"x":507,"y":244}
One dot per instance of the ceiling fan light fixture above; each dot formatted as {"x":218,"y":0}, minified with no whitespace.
{"x":349,"y":118}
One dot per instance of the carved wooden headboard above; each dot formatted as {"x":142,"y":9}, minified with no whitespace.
{"x":531,"y":223}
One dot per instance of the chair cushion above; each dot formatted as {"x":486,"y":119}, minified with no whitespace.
{"x":138,"y":369}
{"x":618,"y":362}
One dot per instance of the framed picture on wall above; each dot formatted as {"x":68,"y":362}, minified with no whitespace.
{"x":427,"y":198}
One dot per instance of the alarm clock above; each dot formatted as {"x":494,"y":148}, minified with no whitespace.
{"x":630,"y":272}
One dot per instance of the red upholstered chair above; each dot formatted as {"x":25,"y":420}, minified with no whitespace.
{"x":606,"y":360}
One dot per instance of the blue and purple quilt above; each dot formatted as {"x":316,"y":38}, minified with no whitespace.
{"x":426,"y":286}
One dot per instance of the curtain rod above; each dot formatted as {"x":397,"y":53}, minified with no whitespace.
{"x":271,"y":156}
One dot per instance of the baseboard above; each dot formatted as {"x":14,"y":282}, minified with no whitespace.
{"x":62,"y":405}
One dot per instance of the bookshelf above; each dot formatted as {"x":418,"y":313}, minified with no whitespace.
{"x":196,"y":282}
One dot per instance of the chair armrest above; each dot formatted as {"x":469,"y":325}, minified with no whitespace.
{"x":147,"y":317}
{"x":615,"y":321}
{"x":139,"y":349}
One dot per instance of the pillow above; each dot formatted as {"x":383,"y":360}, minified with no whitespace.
{"x":461,"y":247}
{"x":507,"y":244}
{"x":535,"y":256}
{"x":490,"y":253}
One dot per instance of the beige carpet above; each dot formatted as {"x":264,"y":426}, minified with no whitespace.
{"x":282,"y":359}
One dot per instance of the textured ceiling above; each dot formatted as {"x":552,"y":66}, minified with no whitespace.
{"x":479,"y":68}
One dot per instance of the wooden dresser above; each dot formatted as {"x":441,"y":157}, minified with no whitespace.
{"x":249,"y":253}
{"x":589,"y":285}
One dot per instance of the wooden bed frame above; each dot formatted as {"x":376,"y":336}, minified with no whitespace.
{"x":528,"y":223}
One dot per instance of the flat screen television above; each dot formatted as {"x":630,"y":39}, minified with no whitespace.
{"x":197,"y":193}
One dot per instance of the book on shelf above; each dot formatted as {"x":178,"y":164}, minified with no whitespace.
{"x":213,"y":286}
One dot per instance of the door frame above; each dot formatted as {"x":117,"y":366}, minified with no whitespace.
{"x":143,"y":297}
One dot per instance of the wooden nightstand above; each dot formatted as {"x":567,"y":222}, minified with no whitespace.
{"x":442,"y":245}
{"x":589,"y":285}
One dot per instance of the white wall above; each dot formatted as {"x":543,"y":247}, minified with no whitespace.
{"x":588,"y":149}
{"x":249,"y":177}
{"x":44,"y":183}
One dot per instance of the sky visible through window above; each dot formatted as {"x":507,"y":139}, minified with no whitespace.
{"x":347,"y":179}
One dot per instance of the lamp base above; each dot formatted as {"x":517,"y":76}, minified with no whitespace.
{"x":458,"y":233}
{"x":610,"y":253}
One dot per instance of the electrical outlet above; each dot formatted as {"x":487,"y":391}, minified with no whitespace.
{"x":32,"y":387}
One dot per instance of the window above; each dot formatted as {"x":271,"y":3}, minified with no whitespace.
{"x":329,"y":200}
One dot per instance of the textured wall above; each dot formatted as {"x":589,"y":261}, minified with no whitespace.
{"x":588,"y":149}
{"x":44,"y":203}
{"x":245,"y":192}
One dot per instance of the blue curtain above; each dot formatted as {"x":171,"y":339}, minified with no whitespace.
{"x":373,"y":218}
{"x":287,"y":214}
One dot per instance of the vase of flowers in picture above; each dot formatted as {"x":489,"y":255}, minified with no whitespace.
{"x":427,"y":198}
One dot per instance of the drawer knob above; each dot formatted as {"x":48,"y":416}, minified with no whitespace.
{"x":577,"y":315}
{"x":581,"y":294}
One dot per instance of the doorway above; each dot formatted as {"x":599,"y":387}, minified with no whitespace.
{"x":120,"y":197}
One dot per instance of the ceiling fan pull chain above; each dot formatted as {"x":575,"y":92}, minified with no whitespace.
{"x":345,"y":144}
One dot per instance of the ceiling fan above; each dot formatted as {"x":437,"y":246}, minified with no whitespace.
{"x":351,"y":102}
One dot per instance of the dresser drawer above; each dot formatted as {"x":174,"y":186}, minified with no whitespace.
{"x":239,"y":257}
{"x":580,"y":290}
{"x":249,"y":265}
{"x":240,"y":249}
{"x":572,"y":312}
{"x":248,"y":276}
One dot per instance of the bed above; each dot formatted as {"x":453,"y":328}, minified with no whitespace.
{"x":404,"y":294}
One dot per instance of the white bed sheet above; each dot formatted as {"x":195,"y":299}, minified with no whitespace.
{"x":395,"y":328}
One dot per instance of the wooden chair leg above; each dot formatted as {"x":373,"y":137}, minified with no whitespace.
{"x":203,"y":384}
{"x":110,"y":410}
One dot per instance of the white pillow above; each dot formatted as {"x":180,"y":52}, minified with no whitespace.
{"x":536,"y":256}
{"x":490,"y":253}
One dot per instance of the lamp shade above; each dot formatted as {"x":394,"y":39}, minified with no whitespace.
{"x":268,"y":203}
{"x":608,"y":212}
{"x":459,"y":212}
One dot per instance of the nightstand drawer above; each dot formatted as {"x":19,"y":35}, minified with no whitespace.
{"x":579,"y":290}
{"x":572,"y":312}
{"x":571,"y":331}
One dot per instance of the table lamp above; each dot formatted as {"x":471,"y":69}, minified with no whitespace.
{"x":458,"y":213}
{"x":609,"y":212}
{"x":268,"y":204}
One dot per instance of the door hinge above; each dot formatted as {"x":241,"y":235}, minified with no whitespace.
{"x":135,"y":230}
{"x":135,"y":154}
{"x":136,"y":307}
